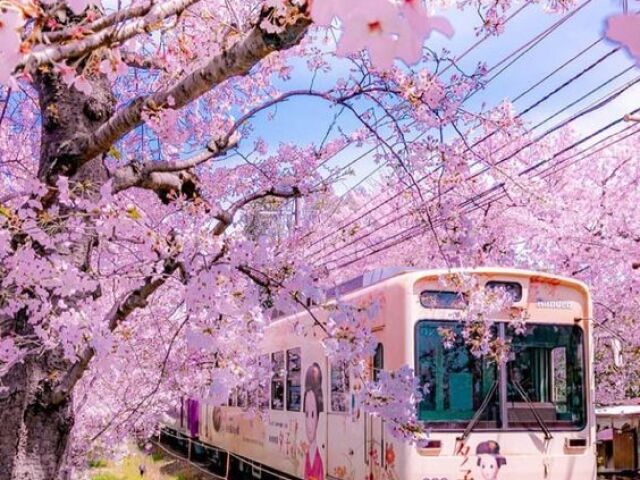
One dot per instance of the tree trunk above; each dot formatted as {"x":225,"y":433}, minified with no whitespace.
{"x":34,"y":428}
{"x":34,"y":435}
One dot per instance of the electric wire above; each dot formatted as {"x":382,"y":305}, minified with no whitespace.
{"x":475,"y":198}
{"x":409,"y":233}
{"x":535,"y":41}
{"x":537,"y":139}
{"x":545,"y":98}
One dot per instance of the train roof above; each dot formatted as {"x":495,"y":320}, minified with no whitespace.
{"x":373,"y":277}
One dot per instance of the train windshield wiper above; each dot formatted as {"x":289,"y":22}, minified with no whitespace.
{"x":476,"y":418}
{"x":543,"y":426}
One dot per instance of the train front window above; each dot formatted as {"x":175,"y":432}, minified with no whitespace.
{"x":546,"y":371}
{"x":455,"y":382}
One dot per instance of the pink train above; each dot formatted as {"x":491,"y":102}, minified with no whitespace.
{"x":529,"y":418}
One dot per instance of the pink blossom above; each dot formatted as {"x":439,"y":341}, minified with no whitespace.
{"x":324,"y":11}
{"x":79,"y":6}
{"x":82,"y":84}
{"x":10,"y":22}
{"x":72,"y":79}
{"x":371,"y":25}
{"x":625,"y":29}
{"x":113,"y":66}
{"x":421,"y":26}
{"x":8,"y":351}
{"x":394,"y":397}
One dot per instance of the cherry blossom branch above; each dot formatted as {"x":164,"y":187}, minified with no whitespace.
{"x":120,"y":311}
{"x":153,"y":390}
{"x":267,"y":281}
{"x":135,"y":60}
{"x":99,"y":24}
{"x":237,"y":60}
{"x":168,"y":175}
{"x":77,"y":49}
{"x":226,"y":217}
{"x":162,"y":177}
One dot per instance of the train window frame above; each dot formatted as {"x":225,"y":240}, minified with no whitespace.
{"x":264,"y":362}
{"x":290,"y":387}
{"x":344,"y":391}
{"x":577,"y":334}
{"x":233,"y":397}
{"x":278,"y":379}
{"x":243,"y":398}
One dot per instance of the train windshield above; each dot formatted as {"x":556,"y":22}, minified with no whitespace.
{"x":546,"y":367}
{"x":545,"y":373}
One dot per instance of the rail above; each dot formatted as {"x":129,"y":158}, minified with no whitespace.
{"x":230,"y":455}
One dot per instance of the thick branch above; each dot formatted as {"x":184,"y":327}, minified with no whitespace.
{"x":226,"y":218}
{"x":235,"y":61}
{"x":106,"y":37}
{"x":161,"y":176}
{"x":99,"y":24}
{"x":165,"y":176}
{"x":141,"y":62}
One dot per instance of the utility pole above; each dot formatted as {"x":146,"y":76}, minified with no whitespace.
{"x":297,"y":212}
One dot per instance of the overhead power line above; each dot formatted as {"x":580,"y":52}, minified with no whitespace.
{"x":482,"y":171}
{"x":530,"y":43}
{"x":525,"y":111}
{"x":417,"y":230}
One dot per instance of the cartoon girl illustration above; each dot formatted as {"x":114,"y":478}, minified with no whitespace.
{"x":313,"y":406}
{"x":489,"y":459}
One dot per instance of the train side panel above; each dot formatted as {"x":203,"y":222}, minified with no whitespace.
{"x":278,"y":438}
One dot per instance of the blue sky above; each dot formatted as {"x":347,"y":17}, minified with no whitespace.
{"x":305,"y":119}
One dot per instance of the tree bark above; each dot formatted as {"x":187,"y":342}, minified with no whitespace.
{"x":35,"y":424}
{"x":35,"y":434}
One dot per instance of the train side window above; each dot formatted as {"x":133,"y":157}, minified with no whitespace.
{"x":263,"y":365}
{"x":559,"y":378}
{"x":339,"y":387}
{"x":242,"y":398}
{"x":378,"y":362}
{"x":277,"y":381}
{"x":294,"y":381}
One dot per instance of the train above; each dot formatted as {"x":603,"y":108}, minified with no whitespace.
{"x":527,"y":418}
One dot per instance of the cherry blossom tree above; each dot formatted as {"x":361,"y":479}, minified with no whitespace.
{"x":534,"y":206}
{"x":135,"y":162}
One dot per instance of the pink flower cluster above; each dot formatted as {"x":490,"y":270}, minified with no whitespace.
{"x":350,"y":337}
{"x":387,"y":30}
{"x":394,"y":398}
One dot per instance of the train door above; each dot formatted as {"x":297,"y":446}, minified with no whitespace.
{"x":374,"y":455}
{"x":345,"y":426}
{"x":374,"y":441}
{"x":624,"y":449}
